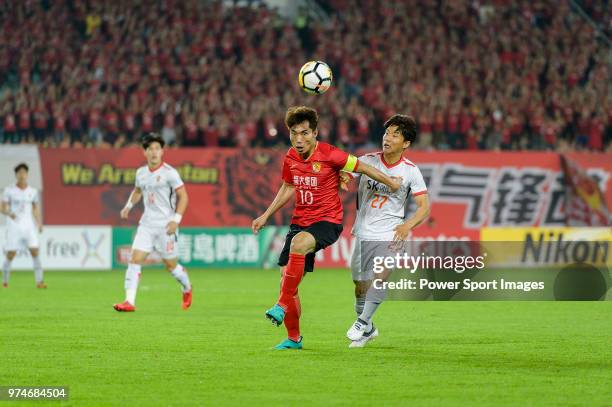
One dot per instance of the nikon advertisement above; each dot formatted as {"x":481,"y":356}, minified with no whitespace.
{"x":507,"y":264}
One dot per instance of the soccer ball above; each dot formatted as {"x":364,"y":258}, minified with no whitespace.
{"x":315,"y":77}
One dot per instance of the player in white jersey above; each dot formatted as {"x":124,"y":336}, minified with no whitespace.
{"x":381,"y":217}
{"x":165,"y":201}
{"x":20,"y":203}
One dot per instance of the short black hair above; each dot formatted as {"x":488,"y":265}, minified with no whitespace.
{"x":147,"y":139}
{"x":406,"y":125}
{"x":298,"y":114}
{"x":22,"y":166}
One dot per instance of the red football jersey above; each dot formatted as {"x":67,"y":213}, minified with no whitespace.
{"x":316,"y":183}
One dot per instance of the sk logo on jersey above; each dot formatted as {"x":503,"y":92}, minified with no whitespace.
{"x":316,"y":166}
{"x":158,"y":178}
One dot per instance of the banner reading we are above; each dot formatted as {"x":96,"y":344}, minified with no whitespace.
{"x":226,"y":187}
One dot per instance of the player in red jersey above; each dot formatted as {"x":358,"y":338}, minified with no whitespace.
{"x":310,"y":172}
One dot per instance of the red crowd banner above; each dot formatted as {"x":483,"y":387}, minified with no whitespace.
{"x":585,"y":204}
{"x":229,"y":187}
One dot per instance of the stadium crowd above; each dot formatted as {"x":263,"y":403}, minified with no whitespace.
{"x":476,"y":74}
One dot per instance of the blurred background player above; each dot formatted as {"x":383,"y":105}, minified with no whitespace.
{"x":165,"y":202}
{"x":380,"y":218}
{"x":21,"y":206}
{"x":310,"y":172}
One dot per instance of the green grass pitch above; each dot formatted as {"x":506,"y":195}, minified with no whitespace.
{"x":218,"y":353}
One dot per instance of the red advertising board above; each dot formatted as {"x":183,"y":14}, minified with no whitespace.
{"x":226,"y":187}
{"x":470,"y":190}
{"x":229,"y":187}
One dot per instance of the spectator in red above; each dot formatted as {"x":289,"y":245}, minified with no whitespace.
{"x":147,"y":119}
{"x":169,"y":131}
{"x":59,"y":124}
{"x":454,"y":139}
{"x":24,"y":122}
{"x":465,"y":123}
{"x":271,"y":133}
{"x":75,"y":124}
{"x":596,"y":134}
{"x":190,"y":129}
{"x":584,"y":128}
{"x":128,"y":123}
{"x":439,"y":134}
{"x":94,"y":134}
{"x":111,"y":126}
{"x":41,"y":122}
{"x":424,"y":138}
{"x":10,"y":125}
{"x":343,"y":135}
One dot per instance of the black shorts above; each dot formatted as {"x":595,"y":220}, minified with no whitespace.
{"x":325,"y":234}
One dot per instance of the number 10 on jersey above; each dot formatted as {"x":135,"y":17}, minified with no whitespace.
{"x":306,"y":197}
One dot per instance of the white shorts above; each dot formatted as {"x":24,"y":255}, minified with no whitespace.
{"x":362,"y":259}
{"x":156,"y":238}
{"x":21,"y":237}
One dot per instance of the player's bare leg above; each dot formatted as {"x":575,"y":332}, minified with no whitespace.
{"x":132,"y":278}
{"x":38,"y":270}
{"x":6,"y":267}
{"x":180,"y":274}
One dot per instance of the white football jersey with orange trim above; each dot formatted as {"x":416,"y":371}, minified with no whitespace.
{"x":379,"y":210}
{"x":159,"y":188}
{"x":20,"y":202}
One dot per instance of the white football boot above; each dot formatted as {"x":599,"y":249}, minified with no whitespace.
{"x":357,"y":330}
{"x":367,"y":337}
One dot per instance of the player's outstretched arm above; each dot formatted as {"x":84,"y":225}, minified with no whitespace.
{"x":132,"y":200}
{"x":379,"y":176}
{"x":423,"y":208}
{"x":283,"y":196}
{"x":37,"y":216}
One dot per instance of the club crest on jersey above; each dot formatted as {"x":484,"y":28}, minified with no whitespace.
{"x":316,"y":166}
{"x":158,"y":178}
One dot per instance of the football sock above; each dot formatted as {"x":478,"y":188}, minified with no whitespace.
{"x":368,"y":311}
{"x":291,"y":279}
{"x":132,"y":277}
{"x":38,"y":271}
{"x":181,"y":276}
{"x":374,"y":298}
{"x":359,"y":303}
{"x":292,"y":319}
{"x":6,"y":271}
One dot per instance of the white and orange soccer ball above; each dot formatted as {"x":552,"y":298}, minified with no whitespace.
{"x":315,"y":77}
